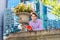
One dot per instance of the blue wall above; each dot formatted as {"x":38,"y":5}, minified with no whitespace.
{"x":12,"y":3}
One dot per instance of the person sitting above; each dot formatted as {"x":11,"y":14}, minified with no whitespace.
{"x":36,"y":23}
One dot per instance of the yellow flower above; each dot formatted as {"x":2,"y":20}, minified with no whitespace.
{"x":23,"y":8}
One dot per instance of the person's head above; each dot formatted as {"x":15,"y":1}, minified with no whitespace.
{"x":33,"y":16}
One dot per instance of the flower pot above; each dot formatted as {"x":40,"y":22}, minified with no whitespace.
{"x":24,"y":17}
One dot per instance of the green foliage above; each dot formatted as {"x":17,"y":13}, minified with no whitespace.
{"x":23,"y":8}
{"x":54,"y":4}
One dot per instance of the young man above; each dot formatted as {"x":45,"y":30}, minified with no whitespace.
{"x":35,"y":23}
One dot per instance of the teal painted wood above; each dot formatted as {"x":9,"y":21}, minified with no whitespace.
{"x":38,"y":8}
{"x":44,"y":16}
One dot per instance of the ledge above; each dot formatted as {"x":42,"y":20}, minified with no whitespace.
{"x":44,"y":34}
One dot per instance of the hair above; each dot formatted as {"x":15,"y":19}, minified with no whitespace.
{"x":34,"y":14}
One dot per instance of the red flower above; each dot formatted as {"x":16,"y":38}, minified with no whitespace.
{"x":29,"y":27}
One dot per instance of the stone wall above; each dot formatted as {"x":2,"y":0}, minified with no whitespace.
{"x":36,"y":35}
